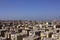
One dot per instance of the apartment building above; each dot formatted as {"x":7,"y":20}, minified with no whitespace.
{"x":29,"y":30}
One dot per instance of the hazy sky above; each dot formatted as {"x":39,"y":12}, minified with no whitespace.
{"x":29,"y":9}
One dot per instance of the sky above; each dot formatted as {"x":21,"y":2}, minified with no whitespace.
{"x":30,"y":9}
